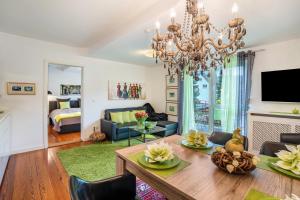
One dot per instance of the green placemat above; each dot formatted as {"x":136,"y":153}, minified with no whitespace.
{"x":206,"y":151}
{"x":264,"y":163}
{"x":162,"y":173}
{"x":257,"y":195}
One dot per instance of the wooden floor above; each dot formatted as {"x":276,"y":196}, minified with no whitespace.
{"x":56,"y":139}
{"x":36,"y":175}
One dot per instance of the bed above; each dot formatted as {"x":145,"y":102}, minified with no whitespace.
{"x":65,"y":120}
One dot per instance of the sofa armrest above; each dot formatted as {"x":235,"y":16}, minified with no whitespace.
{"x":109,"y":128}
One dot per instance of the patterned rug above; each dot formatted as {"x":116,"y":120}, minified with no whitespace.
{"x":145,"y":192}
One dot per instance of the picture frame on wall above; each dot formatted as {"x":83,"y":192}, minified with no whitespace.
{"x":172,"y":81}
{"x":172,"y":108}
{"x":172,"y":94}
{"x":126,"y":90}
{"x":70,"y":89}
{"x":20,"y":88}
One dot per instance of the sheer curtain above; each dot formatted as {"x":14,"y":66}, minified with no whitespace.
{"x":229,"y":95}
{"x":188,"y":117}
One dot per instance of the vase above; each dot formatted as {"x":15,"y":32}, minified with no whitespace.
{"x":141,"y":124}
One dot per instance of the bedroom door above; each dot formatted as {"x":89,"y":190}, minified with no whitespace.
{"x":64,"y":104}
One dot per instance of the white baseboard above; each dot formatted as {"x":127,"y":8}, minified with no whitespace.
{"x":17,"y":151}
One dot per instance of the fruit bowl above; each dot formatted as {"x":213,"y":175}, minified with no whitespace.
{"x":234,"y":162}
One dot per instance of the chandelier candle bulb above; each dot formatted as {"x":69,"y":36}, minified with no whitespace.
{"x":235,"y":9}
{"x":157,"y":25}
{"x":173,"y":15}
{"x":200,"y":6}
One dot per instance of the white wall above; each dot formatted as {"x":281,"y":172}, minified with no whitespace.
{"x":23,"y":59}
{"x":277,"y":56}
{"x":67,"y":76}
{"x":156,"y":77}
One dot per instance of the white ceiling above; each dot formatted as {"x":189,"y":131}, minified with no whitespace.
{"x":115,"y":29}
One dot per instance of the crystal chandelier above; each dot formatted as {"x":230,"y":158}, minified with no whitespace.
{"x":197,"y":44}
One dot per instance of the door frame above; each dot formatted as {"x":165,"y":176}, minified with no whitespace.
{"x":45,"y":97}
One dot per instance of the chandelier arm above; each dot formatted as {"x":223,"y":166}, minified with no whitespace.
{"x":178,"y":45}
{"x":218,"y":47}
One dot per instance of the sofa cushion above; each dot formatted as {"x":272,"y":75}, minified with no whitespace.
{"x":117,"y":117}
{"x":127,"y":124}
{"x":108,"y":111}
{"x":168,"y":125}
{"x":126,"y":116}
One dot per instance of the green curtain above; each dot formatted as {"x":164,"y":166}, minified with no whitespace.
{"x":229,"y":95}
{"x":188,"y":121}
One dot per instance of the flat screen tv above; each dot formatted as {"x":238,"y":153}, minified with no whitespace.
{"x":281,"y":86}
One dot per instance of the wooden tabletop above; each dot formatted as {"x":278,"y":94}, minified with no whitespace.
{"x":202,"y":179}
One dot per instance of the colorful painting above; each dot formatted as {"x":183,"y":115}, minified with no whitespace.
{"x":172,"y":81}
{"x":126,"y":90}
{"x":14,"y":88}
{"x":172,"y":94}
{"x":171,"y":108}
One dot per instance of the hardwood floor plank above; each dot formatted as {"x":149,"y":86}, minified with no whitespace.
{"x":56,"y":139}
{"x":7,"y":187}
{"x":37,"y":175}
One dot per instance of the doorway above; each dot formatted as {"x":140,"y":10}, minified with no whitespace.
{"x":64,"y":104}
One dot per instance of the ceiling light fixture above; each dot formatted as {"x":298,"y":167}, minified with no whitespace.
{"x":197,"y":44}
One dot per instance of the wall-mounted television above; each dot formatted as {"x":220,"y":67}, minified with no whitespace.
{"x":281,"y":86}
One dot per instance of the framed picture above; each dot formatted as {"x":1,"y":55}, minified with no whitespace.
{"x":121,"y":90}
{"x":70,"y":89}
{"x":17,"y":88}
{"x":172,"y":94}
{"x":172,"y":108}
{"x":172,"y":81}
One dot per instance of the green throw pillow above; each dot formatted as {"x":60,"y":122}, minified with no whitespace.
{"x":64,"y":105}
{"x":132,"y":116}
{"x":117,"y":117}
{"x":126,"y":116}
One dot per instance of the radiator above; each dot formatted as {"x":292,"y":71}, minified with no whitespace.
{"x":267,"y":127}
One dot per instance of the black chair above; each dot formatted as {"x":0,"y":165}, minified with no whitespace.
{"x":221,"y":138}
{"x":270,"y":148}
{"x":119,"y":187}
{"x":152,"y":115}
{"x":290,"y":138}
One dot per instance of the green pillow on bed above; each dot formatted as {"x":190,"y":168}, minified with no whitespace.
{"x":64,"y":105}
{"x":117,"y":117}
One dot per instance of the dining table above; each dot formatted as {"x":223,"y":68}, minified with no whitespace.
{"x":201,"y":179}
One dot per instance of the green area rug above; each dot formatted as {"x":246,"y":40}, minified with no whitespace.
{"x":94,"y":161}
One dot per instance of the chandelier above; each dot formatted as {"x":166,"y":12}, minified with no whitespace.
{"x":197,"y":44}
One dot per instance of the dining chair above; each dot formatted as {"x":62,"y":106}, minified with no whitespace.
{"x":290,"y":138}
{"x":269,"y":148}
{"x":118,"y":187}
{"x":221,"y":138}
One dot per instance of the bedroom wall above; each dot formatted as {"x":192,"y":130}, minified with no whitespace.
{"x":59,"y":75}
{"x":23,"y":59}
{"x":277,"y":56}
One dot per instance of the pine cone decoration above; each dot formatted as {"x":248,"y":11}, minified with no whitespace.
{"x":234,"y":162}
